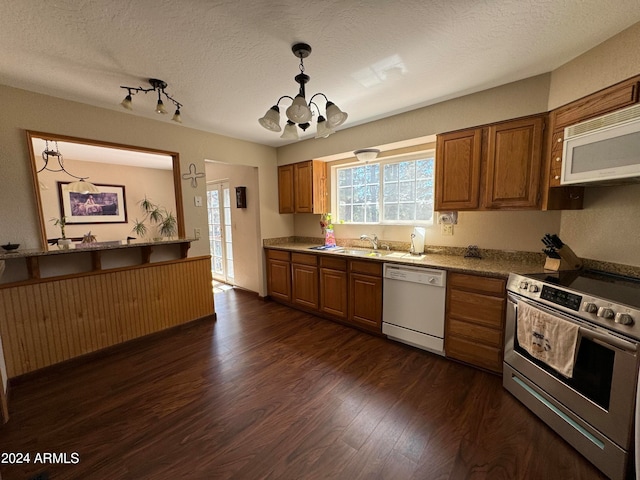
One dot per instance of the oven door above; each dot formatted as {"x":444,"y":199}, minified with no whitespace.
{"x":602,"y":390}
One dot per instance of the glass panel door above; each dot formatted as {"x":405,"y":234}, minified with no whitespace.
{"x":220,"y":239}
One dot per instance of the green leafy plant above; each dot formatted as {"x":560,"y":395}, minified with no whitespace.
{"x":60,"y":222}
{"x":157,"y":217}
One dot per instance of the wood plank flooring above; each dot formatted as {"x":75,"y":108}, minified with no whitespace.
{"x":267,"y":392}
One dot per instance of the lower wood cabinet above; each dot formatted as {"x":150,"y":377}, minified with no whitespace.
{"x":365,"y":295}
{"x":333,"y":287}
{"x":279,"y":275}
{"x":474,"y":326}
{"x":349,"y":291}
{"x":304,"y":280}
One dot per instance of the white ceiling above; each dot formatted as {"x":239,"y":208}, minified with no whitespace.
{"x":228,"y":61}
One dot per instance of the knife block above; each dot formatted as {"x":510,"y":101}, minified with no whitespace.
{"x":556,"y":264}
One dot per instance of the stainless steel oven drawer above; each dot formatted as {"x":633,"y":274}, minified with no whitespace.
{"x":612,"y":460}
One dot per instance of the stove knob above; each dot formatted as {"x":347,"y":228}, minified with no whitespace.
{"x":590,"y":307}
{"x":524,"y":285}
{"x":533,"y":288}
{"x":605,"y":312}
{"x":624,"y":319}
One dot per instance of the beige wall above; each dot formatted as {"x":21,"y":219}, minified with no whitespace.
{"x":244,"y":221}
{"x":23,"y":110}
{"x":610,"y":62}
{"x":608,"y":228}
{"x":509,"y":101}
{"x":155,"y":184}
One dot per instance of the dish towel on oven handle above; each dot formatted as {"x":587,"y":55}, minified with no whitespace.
{"x":548,"y":338}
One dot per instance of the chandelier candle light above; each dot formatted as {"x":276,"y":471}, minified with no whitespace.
{"x":159,"y":86}
{"x":299,"y":112}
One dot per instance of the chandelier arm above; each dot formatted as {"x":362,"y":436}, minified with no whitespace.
{"x":311,"y":102}
{"x":284,"y":96}
{"x":316,"y":94}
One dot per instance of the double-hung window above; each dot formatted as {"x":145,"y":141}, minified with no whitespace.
{"x":395,"y":191}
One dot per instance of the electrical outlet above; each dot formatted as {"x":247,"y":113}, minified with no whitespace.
{"x":446,"y":229}
{"x":196,"y":233}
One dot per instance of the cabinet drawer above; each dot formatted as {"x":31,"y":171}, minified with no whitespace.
{"x":278,"y":255}
{"x":369,"y":268}
{"x":304,"y":258}
{"x":473,"y":332}
{"x":333,"y":263}
{"x":476,"y":308}
{"x":482,"y":356}
{"x":474,"y":283}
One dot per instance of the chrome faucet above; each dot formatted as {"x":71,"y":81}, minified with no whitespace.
{"x":374,"y":240}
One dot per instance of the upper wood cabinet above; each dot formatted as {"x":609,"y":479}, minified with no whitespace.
{"x":458,"y":156}
{"x":491,"y":167}
{"x":302,"y":187}
{"x":285,"y":189}
{"x":514,"y":157}
{"x":620,"y":95}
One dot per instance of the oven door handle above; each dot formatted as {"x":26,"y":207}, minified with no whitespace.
{"x":606,"y":339}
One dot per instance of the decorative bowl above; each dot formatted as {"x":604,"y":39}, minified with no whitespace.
{"x":11,"y":246}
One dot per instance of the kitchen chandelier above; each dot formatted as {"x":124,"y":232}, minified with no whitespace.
{"x":299,"y":112}
{"x":80,"y":185}
{"x":159,"y":86}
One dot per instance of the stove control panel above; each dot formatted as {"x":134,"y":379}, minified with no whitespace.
{"x":594,"y":309}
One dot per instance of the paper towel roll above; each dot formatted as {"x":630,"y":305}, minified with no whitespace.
{"x":417,"y":239}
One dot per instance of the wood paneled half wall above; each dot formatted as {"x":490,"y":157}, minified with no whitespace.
{"x":53,"y":320}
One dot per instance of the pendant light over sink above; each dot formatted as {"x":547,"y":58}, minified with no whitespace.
{"x":299,"y":113}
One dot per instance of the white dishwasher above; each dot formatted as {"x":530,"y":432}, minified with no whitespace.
{"x":413,"y":306}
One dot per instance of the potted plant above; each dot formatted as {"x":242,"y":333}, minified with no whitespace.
{"x":158,"y":217}
{"x":62,"y":222}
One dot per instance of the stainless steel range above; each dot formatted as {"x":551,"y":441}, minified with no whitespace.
{"x":592,"y":407}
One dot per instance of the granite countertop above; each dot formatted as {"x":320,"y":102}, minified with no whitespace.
{"x":493,"y":264}
{"x":90,"y":247}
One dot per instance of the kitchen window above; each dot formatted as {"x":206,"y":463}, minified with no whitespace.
{"x":393,"y":192}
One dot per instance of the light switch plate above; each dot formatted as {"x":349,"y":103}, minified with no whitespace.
{"x":196,"y":233}
{"x":197,"y":200}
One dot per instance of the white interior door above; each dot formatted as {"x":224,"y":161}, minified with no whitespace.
{"x":220,"y":238}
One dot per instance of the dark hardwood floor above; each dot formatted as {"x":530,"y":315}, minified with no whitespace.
{"x":269,"y":392}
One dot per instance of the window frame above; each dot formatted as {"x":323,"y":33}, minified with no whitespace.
{"x":422,"y":155}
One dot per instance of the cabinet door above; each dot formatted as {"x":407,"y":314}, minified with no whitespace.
{"x":333,"y":292}
{"x":514,"y":158}
{"x":365,"y":301}
{"x":458,"y":157}
{"x":279,"y":279}
{"x":303,"y":187}
{"x":285,"y":189}
{"x":305,"y":285}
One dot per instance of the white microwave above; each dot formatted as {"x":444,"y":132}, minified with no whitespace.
{"x":604,"y":149}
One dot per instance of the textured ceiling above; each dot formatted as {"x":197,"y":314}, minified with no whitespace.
{"x":229,"y":61}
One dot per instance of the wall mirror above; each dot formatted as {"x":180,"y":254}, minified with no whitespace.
{"x":124,"y":175}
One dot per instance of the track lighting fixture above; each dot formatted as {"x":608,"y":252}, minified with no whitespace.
{"x":299,"y":112}
{"x":80,"y":185}
{"x":156,"y":86}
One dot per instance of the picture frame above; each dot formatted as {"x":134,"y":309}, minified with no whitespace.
{"x":108,"y":206}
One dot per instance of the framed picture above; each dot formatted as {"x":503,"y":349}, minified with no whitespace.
{"x":108,"y":206}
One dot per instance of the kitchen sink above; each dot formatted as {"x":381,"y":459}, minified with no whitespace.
{"x":405,"y":256}
{"x":360,"y":253}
